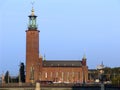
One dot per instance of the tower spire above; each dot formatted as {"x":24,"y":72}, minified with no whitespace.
{"x":32,"y":11}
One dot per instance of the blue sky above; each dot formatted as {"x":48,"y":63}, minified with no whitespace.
{"x":68,"y":29}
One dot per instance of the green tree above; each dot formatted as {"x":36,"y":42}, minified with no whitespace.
{"x":22,"y":72}
{"x":7,"y":77}
{"x":116,"y":80}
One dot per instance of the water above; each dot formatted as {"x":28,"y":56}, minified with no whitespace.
{"x":65,"y":87}
{"x":99,"y":87}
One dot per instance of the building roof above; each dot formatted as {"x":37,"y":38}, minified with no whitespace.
{"x":101,"y":66}
{"x":92,"y":70}
{"x":59,"y":63}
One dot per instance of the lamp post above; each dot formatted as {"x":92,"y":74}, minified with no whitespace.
{"x":3,"y":78}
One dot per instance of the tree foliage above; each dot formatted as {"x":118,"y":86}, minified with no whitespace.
{"x":22,"y":72}
{"x":116,"y":80}
{"x":7,"y":77}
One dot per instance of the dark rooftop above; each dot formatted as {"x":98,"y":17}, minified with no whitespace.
{"x":53,"y":63}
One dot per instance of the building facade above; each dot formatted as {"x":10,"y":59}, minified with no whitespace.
{"x":68,"y":71}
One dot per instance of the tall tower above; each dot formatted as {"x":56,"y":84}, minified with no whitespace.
{"x":32,"y":48}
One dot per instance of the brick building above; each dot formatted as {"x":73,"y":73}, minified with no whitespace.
{"x":52,"y":70}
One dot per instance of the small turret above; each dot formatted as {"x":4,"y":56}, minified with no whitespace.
{"x":84,"y":60}
{"x":44,"y":57}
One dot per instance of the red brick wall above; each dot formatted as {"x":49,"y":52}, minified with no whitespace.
{"x":64,"y":74}
{"x":32,"y":52}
